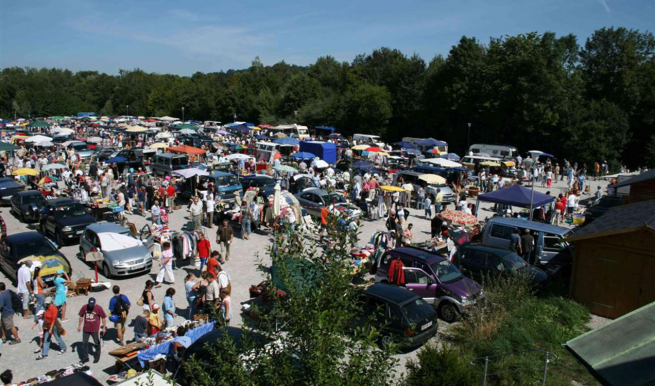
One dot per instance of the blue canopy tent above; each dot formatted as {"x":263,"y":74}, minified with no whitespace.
{"x":261,"y":136}
{"x":334,"y":136}
{"x":430,"y":142}
{"x":243,"y":129}
{"x":250,"y":124}
{"x":287,"y":141}
{"x":412,"y":151}
{"x":450,"y":156}
{"x":405,"y":145}
{"x":516,"y":195}
{"x":303,"y":156}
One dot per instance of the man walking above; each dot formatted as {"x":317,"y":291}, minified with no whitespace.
{"x":8,"y":314}
{"x":224,"y":237}
{"x":437,"y":201}
{"x":91,"y":315}
{"x":24,"y":286}
{"x":515,"y":242}
{"x":119,"y":307}
{"x":203,"y":249}
{"x":170,"y":195}
{"x":196,"y":213}
{"x":50,"y":329}
{"x":156,"y":213}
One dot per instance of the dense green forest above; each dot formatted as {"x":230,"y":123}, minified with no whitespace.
{"x":535,"y":91}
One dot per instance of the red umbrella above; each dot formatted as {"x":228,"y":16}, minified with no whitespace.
{"x":374,"y":148}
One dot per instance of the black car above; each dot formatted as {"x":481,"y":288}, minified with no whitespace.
{"x":27,"y":205}
{"x":601,"y":207}
{"x":480,"y":262}
{"x":403,"y":316}
{"x":33,"y":246}
{"x":104,"y":153}
{"x":9,"y":187}
{"x":64,"y":219}
{"x":265,"y":184}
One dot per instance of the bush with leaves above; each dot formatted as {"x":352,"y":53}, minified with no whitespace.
{"x":441,"y":367}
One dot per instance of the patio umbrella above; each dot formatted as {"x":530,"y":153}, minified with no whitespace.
{"x":136,"y":129}
{"x":158,"y":145}
{"x":222,"y":132}
{"x":237,"y":156}
{"x":38,"y":139}
{"x":303,"y":155}
{"x":320,"y":164}
{"x":432,"y":179}
{"x":459,"y":218}
{"x":62,"y":130}
{"x":4,"y":146}
{"x":45,"y":180}
{"x":165,"y":134}
{"x":373,"y":148}
{"x":25,"y":172}
{"x":116,"y":160}
{"x":191,"y":172}
{"x":187,"y":131}
{"x":168,"y":119}
{"x":38,"y":124}
{"x":444,"y":163}
{"x":54,"y":166}
{"x":334,"y":136}
{"x":186,"y":150}
{"x":285,"y":168}
{"x":391,"y":188}
{"x":94,"y":140}
{"x":360,"y":147}
{"x":276,"y":200}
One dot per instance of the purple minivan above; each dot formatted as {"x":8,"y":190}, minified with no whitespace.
{"x":435,"y":279}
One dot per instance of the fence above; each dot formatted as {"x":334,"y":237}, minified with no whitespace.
{"x":485,"y":362}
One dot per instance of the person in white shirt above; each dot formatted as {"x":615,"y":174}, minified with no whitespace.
{"x":210,"y":204}
{"x":24,"y":287}
{"x":571,"y":204}
{"x":156,"y":213}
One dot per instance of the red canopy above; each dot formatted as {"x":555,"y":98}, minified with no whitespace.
{"x":186,"y":150}
{"x":374,"y":148}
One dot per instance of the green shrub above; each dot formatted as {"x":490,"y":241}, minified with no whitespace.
{"x":441,"y":367}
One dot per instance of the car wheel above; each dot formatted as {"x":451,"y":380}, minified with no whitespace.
{"x":387,"y":340}
{"x":448,"y":312}
{"x":105,"y":271}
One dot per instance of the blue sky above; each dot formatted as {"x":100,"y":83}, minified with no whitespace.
{"x":183,"y":37}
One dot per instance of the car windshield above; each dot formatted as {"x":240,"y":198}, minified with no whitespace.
{"x":127,"y":233}
{"x":9,"y":185}
{"x":80,"y":147}
{"x":69,"y":211}
{"x":417,"y":311}
{"x":226,"y":181}
{"x":446,"y":271}
{"x":40,"y":247}
{"x":513,"y":261}
{"x":32,"y":199}
{"x":328,"y":198}
{"x":266,"y":182}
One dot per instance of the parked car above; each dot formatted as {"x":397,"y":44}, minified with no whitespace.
{"x":314,"y":199}
{"x":26,"y":205}
{"x":413,"y":178}
{"x":435,"y":279}
{"x":167,"y":163}
{"x":64,"y":219}
{"x":81,"y":148}
{"x":551,"y":249}
{"x":601,"y":207}
{"x":226,"y":184}
{"x":123,"y":253}
{"x":481,"y":262}
{"x":403,"y":316}
{"x":104,"y":153}
{"x":265,"y":184}
{"x":16,"y":248}
{"x":9,"y":187}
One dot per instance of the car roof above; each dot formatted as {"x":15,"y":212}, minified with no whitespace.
{"x":106,"y":227}
{"x":218,"y":173}
{"x":418,"y":253}
{"x":60,"y":201}
{"x":29,"y":193}
{"x":392,"y":293}
{"x":170,"y":155}
{"x":23,"y":237}
{"x":258,"y":176}
{"x":486,"y":248}
{"x":532,"y":225}
{"x":318,"y":191}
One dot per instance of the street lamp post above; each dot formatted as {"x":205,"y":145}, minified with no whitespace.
{"x":182,"y":114}
{"x":127,"y":110}
{"x":468,"y":137}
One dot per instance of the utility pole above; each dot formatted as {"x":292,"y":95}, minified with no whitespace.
{"x":468,"y":138}
{"x":127,"y":110}
{"x":182,"y":114}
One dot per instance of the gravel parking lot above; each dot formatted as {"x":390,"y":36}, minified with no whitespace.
{"x":242,"y":268}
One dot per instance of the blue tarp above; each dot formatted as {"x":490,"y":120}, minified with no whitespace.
{"x":430,"y":142}
{"x":405,"y":145}
{"x":516,"y":195}
{"x":85,"y":114}
{"x":240,"y":128}
{"x":303,"y":156}
{"x":287,"y":141}
{"x":261,"y":136}
{"x":450,"y":156}
{"x":324,"y":150}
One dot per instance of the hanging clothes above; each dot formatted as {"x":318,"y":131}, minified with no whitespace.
{"x":396,"y":272}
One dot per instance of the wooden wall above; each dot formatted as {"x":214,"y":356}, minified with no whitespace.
{"x":642,"y":191}
{"x":614,"y":275}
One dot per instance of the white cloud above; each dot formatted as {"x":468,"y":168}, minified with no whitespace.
{"x":604,"y":4}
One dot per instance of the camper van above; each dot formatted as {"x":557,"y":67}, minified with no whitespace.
{"x":363,"y":139}
{"x":293,"y":130}
{"x":471,"y":161}
{"x":266,"y":150}
{"x":163,"y":164}
{"x":498,"y":151}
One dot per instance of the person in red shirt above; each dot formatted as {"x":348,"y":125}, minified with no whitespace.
{"x":212,"y":264}
{"x":204,"y":248}
{"x":91,"y":315}
{"x":50,"y":329}
{"x":170,"y":194}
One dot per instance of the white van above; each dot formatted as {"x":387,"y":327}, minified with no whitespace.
{"x":293,"y":130}
{"x":499,"y":151}
{"x":363,"y":139}
{"x":471,"y":161}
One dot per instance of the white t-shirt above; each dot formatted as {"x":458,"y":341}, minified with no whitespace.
{"x":24,"y":277}
{"x":223,"y":279}
{"x":572,"y":201}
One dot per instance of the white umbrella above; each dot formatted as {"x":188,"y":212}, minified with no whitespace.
{"x":94,"y":140}
{"x":444,"y":163}
{"x":187,"y":131}
{"x":320,"y":164}
{"x":168,"y":119}
{"x":54,"y":166}
{"x":38,"y":139}
{"x":237,"y":156}
{"x":164,"y":134}
{"x":188,"y":173}
{"x":136,"y":129}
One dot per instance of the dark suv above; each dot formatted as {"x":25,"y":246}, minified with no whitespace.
{"x":27,"y":205}
{"x":481,"y":262}
{"x":65,"y":219}
{"x":403,"y":315}
{"x":435,"y":279}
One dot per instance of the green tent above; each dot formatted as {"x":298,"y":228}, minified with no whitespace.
{"x":185,"y":126}
{"x":57,"y":118}
{"x":5,"y":146}
{"x":38,"y":124}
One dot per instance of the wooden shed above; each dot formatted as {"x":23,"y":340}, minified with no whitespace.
{"x":614,"y":261}
{"x":642,"y":187}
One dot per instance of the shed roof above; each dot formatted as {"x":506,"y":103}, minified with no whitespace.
{"x":649,"y":175}
{"x":620,"y":219}
{"x":620,"y":352}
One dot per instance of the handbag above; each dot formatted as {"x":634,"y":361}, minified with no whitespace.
{"x":140,"y":302}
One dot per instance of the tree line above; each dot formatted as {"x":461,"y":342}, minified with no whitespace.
{"x":535,"y":91}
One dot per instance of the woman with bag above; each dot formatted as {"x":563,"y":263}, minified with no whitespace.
{"x":147,"y":298}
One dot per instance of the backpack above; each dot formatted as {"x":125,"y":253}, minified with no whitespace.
{"x":16,"y":302}
{"x":120,"y":308}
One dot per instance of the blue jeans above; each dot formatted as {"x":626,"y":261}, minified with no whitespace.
{"x":192,"y":306}
{"x":139,"y":335}
{"x":428,"y":212}
{"x":47,"y":338}
{"x":40,"y":300}
{"x":245,"y":227}
{"x":156,"y":220}
{"x":203,"y":262}
{"x":437,"y":207}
